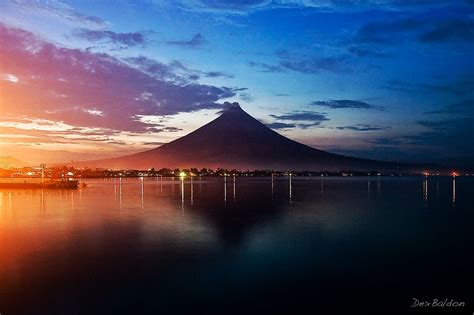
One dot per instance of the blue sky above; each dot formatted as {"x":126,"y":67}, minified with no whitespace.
{"x":386,"y":79}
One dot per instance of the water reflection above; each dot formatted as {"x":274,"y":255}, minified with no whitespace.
{"x":233,"y":187}
{"x":192,"y":191}
{"x":159,"y":252}
{"x":290,"y":189}
{"x":42,"y":207}
{"x":425,"y":189}
{"x":272,"y":180}
{"x":161,"y":186}
{"x":225,"y":190}
{"x":172,"y":186}
{"x":142,"y":190}
{"x":120,"y":193}
{"x":182,"y":193}
{"x":454,"y":191}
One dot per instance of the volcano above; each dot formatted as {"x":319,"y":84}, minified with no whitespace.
{"x":236,"y":140}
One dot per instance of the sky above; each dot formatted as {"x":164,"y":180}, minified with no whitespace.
{"x":381,"y":79}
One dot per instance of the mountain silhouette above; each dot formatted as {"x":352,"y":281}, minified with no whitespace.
{"x":237,"y":140}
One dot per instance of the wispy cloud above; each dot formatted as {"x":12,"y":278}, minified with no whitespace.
{"x":298,"y":119}
{"x":217,"y":74}
{"x":459,"y":108}
{"x":173,"y":71}
{"x":463,"y":85}
{"x":195,"y":42}
{"x":238,"y":7}
{"x":61,"y":10}
{"x":247,"y":97}
{"x":264,"y":67}
{"x":363,"y":127}
{"x":337,"y":104}
{"x":280,"y":125}
{"x":302,"y":116}
{"x":385,"y":32}
{"x":386,"y":141}
{"x":75,"y":85}
{"x":312,"y":64}
{"x":447,"y":135}
{"x":426,"y":30}
{"x":366,"y":52}
{"x":126,"y":39}
{"x":450,"y":31}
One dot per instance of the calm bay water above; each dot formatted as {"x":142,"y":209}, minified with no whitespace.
{"x":231,"y":246}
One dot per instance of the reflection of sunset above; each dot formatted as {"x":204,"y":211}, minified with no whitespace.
{"x":167,"y":239}
{"x":37,"y":221}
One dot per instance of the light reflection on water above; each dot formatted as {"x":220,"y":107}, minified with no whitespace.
{"x":281,"y":232}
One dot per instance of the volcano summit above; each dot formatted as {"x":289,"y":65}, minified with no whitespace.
{"x":236,"y":140}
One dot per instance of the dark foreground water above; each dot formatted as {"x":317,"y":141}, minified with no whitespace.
{"x":256,"y":245}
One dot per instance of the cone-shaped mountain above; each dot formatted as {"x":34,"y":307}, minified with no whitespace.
{"x":237,"y":140}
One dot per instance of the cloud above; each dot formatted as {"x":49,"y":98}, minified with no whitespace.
{"x":154,"y":143}
{"x":10,"y":78}
{"x":385,"y":32}
{"x":172,"y":129}
{"x":29,"y":130}
{"x":298,"y":119}
{"x":386,"y":141}
{"x":280,"y":125}
{"x":363,"y":127}
{"x":126,"y":39}
{"x":59,"y":9}
{"x":456,"y":27}
{"x":448,"y":141}
{"x":264,"y":67}
{"x":447,"y":136}
{"x":462,"y":108}
{"x":450,"y":31}
{"x":463,"y":85}
{"x":364,"y":52}
{"x":173,"y":71}
{"x":234,"y":5}
{"x":336,"y":104}
{"x":302,"y":116}
{"x":247,"y":97}
{"x":218,"y":74}
{"x":157,"y":69}
{"x":239,"y":7}
{"x":195,"y":42}
{"x":72,"y":85}
{"x":314,"y":64}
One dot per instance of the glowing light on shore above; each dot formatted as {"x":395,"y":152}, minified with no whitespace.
{"x":182,"y":174}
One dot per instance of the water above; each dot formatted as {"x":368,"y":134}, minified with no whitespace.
{"x":238,"y":245}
